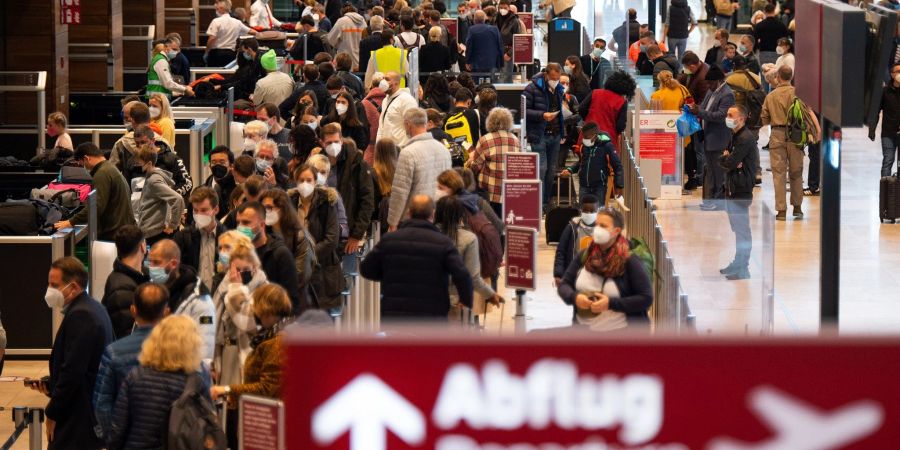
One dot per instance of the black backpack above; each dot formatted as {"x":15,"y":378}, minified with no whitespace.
{"x":31,"y":217}
{"x":193,"y":423}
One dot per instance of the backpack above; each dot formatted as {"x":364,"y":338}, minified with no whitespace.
{"x":19,"y":219}
{"x":641,"y":249}
{"x":409,"y":47}
{"x":193,"y":423}
{"x":798,"y":131}
{"x":458,"y":126}
{"x":490,"y":252}
{"x":754,"y":100}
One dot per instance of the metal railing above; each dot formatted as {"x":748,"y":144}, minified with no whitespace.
{"x":362,"y":304}
{"x":188,"y":15}
{"x":31,"y":418}
{"x":140,"y":33}
{"x":96,"y":52}
{"x":29,"y":82}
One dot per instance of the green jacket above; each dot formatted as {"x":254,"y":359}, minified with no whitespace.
{"x":113,"y":202}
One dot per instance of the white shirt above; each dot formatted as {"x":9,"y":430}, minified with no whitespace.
{"x":607,"y":320}
{"x":261,"y":14}
{"x":226,"y":30}
{"x":165,"y":77}
{"x":410,"y":38}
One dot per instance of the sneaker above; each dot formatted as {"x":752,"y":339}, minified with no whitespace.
{"x":782,"y":216}
{"x":809,"y":192}
{"x":690,"y":185}
{"x":711,"y":207}
{"x":742,"y":273}
{"x":758,"y":181}
{"x":798,"y":213}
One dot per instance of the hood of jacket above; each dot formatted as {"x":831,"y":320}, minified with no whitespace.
{"x":376,"y":94}
{"x":680,"y":3}
{"x":164,"y":174}
{"x":182,"y":285}
{"x":357,"y":19}
{"x":469,"y":200}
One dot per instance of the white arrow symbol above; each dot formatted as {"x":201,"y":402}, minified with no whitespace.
{"x":368,"y":407}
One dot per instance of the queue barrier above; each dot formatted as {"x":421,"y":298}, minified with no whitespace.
{"x":30,"y":418}
{"x":362,"y":300}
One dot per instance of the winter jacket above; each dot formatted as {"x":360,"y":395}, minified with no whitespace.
{"x":83,"y":335}
{"x":679,"y":19}
{"x":696,"y":82}
{"x":538,"y":99}
{"x":593,"y":165}
{"x":475,"y":203}
{"x":635,"y":290}
{"x":262,"y":370}
{"x":742,"y":148}
{"x":346,"y":34}
{"x":372,"y":104}
{"x":665,"y":62}
{"x":322,"y":224}
{"x":359,"y":134}
{"x":190,"y":297}
{"x":421,"y":160}
{"x":390,"y":122}
{"x":278,"y":263}
{"x":467,"y":246}
{"x":354,"y":183}
{"x":234,"y":326}
{"x":161,"y":206}
{"x":142,"y":408}
{"x":118,"y":296}
{"x":223,"y":189}
{"x":413,"y":264}
{"x":508,"y":26}
{"x":117,"y":361}
{"x":189,"y":241}
{"x":352,"y":82}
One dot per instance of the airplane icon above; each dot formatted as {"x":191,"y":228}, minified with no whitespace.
{"x":801,"y":426}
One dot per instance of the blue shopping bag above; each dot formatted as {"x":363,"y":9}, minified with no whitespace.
{"x":687,"y":124}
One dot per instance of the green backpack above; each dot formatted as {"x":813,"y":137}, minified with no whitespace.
{"x":639,"y":248}
{"x":797,"y":128}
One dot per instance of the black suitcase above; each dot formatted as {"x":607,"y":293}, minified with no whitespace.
{"x":889,"y":199}
{"x":19,"y":218}
{"x":561,"y":211}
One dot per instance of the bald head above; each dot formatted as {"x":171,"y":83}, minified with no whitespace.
{"x":785,"y":73}
{"x":393,"y":80}
{"x":165,"y":250}
{"x":421,"y":207}
{"x":480,"y":16}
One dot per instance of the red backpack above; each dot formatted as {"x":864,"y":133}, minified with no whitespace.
{"x":490,"y":252}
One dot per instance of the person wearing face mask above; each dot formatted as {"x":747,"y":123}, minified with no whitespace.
{"x":693,"y":77}
{"x":345,"y":112}
{"x":398,"y":101}
{"x":786,"y":157}
{"x":161,"y":116}
{"x":255,"y":132}
{"x":785,"y":52}
{"x":595,"y":66}
{"x":221,"y":163}
{"x":261,"y":17}
{"x":178,"y":63}
{"x":188,"y":295}
{"x":747,"y":49}
{"x":387,"y":59}
{"x":268,"y":113}
{"x":739,"y":164}
{"x":606,"y":284}
{"x":716,"y":53}
{"x":83,"y":334}
{"x":223,"y":33}
{"x":313,"y":86}
{"x":716,"y":136}
{"x":579,"y":84}
{"x":372,"y":106}
{"x":597,"y":155}
{"x":576,"y":237}
{"x":317,"y":209}
{"x":508,"y":24}
{"x":113,"y":195}
{"x":276,"y":259}
{"x":276,"y":86}
{"x":159,"y":76}
{"x":544,"y":121}
{"x":197,"y":241}
{"x":159,"y":213}
{"x":249,"y":71}
{"x":270,"y":166}
{"x":127,"y":274}
{"x":421,"y":160}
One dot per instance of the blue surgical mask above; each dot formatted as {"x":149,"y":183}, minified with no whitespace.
{"x":246,"y":231}
{"x":246,"y":56}
{"x":171,"y":54}
{"x":224,"y":259}
{"x":598,"y":52}
{"x":263,"y":164}
{"x":158,"y":275}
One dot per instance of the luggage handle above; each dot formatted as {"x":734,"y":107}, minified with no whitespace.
{"x":54,"y":197}
{"x":559,"y":185}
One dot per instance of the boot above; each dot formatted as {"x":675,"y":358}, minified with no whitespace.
{"x":741,"y":273}
{"x":729,"y":268}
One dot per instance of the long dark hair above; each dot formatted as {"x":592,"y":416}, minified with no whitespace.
{"x":437,"y":87}
{"x":351,"y":119}
{"x":449,"y":215}
{"x":303,"y":140}
{"x":289,"y":221}
{"x":578,"y":71}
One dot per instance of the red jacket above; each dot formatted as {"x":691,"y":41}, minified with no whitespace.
{"x":604,"y":111}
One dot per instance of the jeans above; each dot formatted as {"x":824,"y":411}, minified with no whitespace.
{"x":739,"y":218}
{"x":889,"y":152}
{"x":677,"y":47}
{"x":548,"y":149}
{"x":598,"y":191}
{"x":723,"y":22}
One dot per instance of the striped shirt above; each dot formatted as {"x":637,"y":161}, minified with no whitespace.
{"x":489,"y":160}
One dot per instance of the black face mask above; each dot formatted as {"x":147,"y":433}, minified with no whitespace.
{"x":246,"y":277}
{"x":219,"y":171}
{"x":258,"y":322}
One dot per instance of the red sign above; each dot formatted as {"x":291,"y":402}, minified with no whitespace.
{"x":521,"y":258}
{"x":262,"y":423}
{"x":523,"y":49}
{"x":452,"y":25}
{"x":522,"y":203}
{"x":418,"y":391}
{"x":662,"y":146}
{"x":70,"y":12}
{"x":522,"y":166}
{"x":528,"y":19}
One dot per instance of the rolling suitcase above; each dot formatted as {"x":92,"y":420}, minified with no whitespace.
{"x":561,"y":212}
{"x":889,"y":199}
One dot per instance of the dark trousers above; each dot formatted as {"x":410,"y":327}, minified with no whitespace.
{"x":690,"y":160}
{"x":713,"y":178}
{"x":220,"y":57}
{"x":598,"y":190}
{"x":739,"y":218}
{"x":815,"y":166}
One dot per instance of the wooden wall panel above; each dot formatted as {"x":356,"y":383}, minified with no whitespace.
{"x":101,"y":22}
{"x":145,"y":12}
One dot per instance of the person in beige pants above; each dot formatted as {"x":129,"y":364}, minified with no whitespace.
{"x":786,"y":158}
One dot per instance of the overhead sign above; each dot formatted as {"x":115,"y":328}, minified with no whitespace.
{"x":523,"y":49}
{"x":261,"y":424}
{"x":522,"y":166}
{"x":528,"y":19}
{"x":452,"y":24}
{"x":522,"y":203}
{"x":577,"y":392}
{"x":521,"y":258}
{"x":70,"y":12}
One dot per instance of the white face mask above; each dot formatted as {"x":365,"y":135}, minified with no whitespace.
{"x":54,"y":297}
{"x":439,"y":194}
{"x":779,"y":50}
{"x":897,"y":78}
{"x":504,"y":12}
{"x":306,"y":189}
{"x":588,"y":142}
{"x":249,"y":144}
{"x":312,"y":125}
{"x":333,"y":149}
{"x":202,"y":220}
{"x":553,"y":84}
{"x":321,"y":179}
{"x":340,"y":108}
{"x":601,"y":235}
{"x":730,"y":123}
{"x":588,"y":218}
{"x":272,"y":217}
{"x":383,"y":85}
{"x":154,"y":112}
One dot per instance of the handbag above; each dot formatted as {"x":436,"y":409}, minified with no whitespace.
{"x":741,"y":179}
{"x":688,"y":123}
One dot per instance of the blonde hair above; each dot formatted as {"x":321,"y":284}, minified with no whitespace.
{"x":271,"y":300}
{"x":666,"y":79}
{"x":232,"y":239}
{"x":173,"y":346}
{"x":245,"y":252}
{"x":320,"y":162}
{"x":165,"y":109}
{"x":257,"y":128}
{"x":499,"y":119}
{"x":59,"y":119}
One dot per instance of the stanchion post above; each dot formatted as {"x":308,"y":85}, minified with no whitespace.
{"x":520,"y":303}
{"x":35,"y":428}
{"x":830,"y":235}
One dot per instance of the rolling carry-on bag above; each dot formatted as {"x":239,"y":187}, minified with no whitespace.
{"x":889,"y":199}
{"x":561,"y":211}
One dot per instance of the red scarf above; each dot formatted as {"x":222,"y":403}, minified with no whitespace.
{"x":609,"y":263}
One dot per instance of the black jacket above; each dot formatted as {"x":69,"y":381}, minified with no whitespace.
{"x":352,"y":83}
{"x":741,"y":150}
{"x":286,"y":108}
{"x":118,"y":296}
{"x":596,"y":71}
{"x":890,"y":112}
{"x":188,"y":240}
{"x":767,"y":33}
{"x":359,"y":134}
{"x":314,"y":45}
{"x":354,"y":183}
{"x":278,"y":264}
{"x":181,"y":285}
{"x":245,"y":78}
{"x":368,"y":45}
{"x":84,"y":333}
{"x":434,"y":57}
{"x":223,"y":188}
{"x":593,"y":165}
{"x":635,"y":290}
{"x":412,"y":264}
{"x":679,"y":19}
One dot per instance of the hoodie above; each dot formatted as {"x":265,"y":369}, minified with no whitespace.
{"x":160,"y":205}
{"x":122,"y":156}
{"x":346,"y":34}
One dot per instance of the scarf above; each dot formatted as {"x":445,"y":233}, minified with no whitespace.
{"x":268,"y":333}
{"x":609,"y":263}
